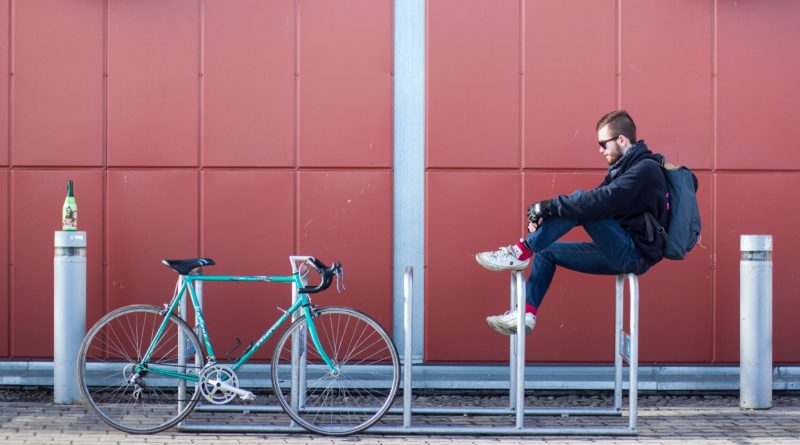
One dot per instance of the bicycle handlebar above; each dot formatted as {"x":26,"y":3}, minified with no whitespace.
{"x":326,"y":273}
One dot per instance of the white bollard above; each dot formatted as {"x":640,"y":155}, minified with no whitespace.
{"x":69,"y":313}
{"x":755,"y":322}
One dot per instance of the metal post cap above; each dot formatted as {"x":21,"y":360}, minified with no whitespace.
{"x":755,"y":243}
{"x":69,"y":238}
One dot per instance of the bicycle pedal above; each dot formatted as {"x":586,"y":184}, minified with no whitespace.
{"x":248,"y":396}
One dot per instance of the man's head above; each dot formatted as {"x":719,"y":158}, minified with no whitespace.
{"x":616,"y":133}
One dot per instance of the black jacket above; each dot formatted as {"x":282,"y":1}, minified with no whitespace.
{"x":639,"y":186}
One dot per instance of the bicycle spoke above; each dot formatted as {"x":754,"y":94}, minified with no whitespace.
{"x":143,"y":400}
{"x":354,"y":396}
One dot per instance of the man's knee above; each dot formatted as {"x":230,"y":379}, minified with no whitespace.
{"x":545,"y":255}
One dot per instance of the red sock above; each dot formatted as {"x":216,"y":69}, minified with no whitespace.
{"x":526,"y":253}
{"x":530,"y":309}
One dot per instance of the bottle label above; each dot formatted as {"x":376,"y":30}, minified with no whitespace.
{"x":69,"y":220}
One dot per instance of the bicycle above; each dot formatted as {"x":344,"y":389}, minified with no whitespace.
{"x":335,"y":370}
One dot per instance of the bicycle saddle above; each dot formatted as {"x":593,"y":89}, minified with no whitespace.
{"x":183,"y":267}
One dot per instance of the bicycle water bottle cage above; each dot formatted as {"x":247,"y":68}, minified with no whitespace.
{"x":233,"y":349}
{"x":184,"y":267}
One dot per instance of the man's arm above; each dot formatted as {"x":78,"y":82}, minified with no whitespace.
{"x":620,"y":196}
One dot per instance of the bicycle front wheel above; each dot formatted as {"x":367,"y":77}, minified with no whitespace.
{"x":357,"y":393}
{"x":119,"y":391}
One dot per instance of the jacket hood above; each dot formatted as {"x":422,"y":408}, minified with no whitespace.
{"x":636,"y":153}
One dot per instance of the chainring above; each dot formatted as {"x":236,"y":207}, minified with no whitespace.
{"x":210,"y":388}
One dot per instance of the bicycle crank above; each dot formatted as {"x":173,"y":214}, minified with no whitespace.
{"x":219,"y":385}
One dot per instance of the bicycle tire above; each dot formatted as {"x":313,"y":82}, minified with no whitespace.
{"x":108,"y":355}
{"x":363,"y":390}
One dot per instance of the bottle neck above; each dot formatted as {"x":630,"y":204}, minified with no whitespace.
{"x":69,"y":189}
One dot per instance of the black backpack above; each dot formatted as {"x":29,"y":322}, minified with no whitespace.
{"x":683,"y":211}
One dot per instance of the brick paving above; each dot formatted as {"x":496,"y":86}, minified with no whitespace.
{"x":30,"y":417}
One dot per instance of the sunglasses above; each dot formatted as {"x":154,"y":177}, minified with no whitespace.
{"x":603,"y":143}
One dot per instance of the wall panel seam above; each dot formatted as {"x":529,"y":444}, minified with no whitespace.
{"x":7,"y":333}
{"x":296,"y":132}
{"x":11,"y":244}
{"x":715,"y":139}
{"x":104,"y":173}
{"x":522,"y":102}
{"x":200,"y":123}
{"x":11,"y":81}
{"x":619,"y":54}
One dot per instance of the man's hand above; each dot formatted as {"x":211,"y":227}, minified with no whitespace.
{"x":538,"y":212}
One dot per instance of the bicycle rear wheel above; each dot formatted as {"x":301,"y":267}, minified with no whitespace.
{"x":342,"y":402}
{"x":131,"y":401}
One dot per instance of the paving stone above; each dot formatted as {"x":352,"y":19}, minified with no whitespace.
{"x":30,"y":417}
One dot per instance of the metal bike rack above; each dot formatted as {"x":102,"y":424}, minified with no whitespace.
{"x":626,"y":349}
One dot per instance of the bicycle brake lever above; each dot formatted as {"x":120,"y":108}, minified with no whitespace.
{"x":339,"y":279}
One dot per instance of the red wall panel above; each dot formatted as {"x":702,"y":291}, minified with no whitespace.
{"x":152,"y":82}
{"x":36,"y":200}
{"x":473,"y":84}
{"x":152,"y":215}
{"x":467,"y":212}
{"x":578,"y":304}
{"x":676,"y":297}
{"x":667,"y":77}
{"x":58,"y":83}
{"x":250,"y":236}
{"x":4,"y":285}
{"x":568,"y":85}
{"x":514,"y":85}
{"x":345,"y":87}
{"x":758,"y":101}
{"x":248,"y":80}
{"x":578,"y":309}
{"x":347,"y":216}
{"x":758,"y":204}
{"x":4,"y":68}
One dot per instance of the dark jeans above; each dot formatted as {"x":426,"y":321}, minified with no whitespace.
{"x":611,"y":252}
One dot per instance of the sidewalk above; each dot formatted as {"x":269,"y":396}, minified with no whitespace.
{"x":29,"y":417}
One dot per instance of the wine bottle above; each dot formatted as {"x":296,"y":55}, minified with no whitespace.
{"x":69,"y":213}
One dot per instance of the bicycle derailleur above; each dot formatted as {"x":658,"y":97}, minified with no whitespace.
{"x":219,"y":385}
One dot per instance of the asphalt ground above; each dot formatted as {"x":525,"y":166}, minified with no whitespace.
{"x":28,"y":416}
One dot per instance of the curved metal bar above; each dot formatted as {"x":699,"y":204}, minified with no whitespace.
{"x":517,"y":381}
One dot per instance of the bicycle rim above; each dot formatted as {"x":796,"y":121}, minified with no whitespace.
{"x":337,"y":403}
{"x":147,"y":402}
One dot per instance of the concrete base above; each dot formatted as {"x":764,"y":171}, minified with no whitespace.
{"x":541,"y":377}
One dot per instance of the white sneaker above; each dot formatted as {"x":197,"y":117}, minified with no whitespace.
{"x":507,"y":323}
{"x":505,"y":258}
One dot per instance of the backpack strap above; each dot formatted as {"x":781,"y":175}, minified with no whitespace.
{"x":653,"y":226}
{"x":651,"y":222}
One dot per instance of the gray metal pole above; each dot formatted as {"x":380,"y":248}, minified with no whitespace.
{"x":408,"y":301}
{"x":512,"y":349}
{"x":633,"y":384}
{"x":520,"y":364}
{"x":69,"y":310}
{"x":755,"y":322}
{"x":619,"y":306}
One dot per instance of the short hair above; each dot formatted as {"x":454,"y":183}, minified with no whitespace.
{"x":620,"y":123}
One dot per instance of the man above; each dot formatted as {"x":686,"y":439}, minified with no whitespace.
{"x":613,"y":214}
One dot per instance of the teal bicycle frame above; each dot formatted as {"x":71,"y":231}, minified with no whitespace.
{"x":187,"y":282}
